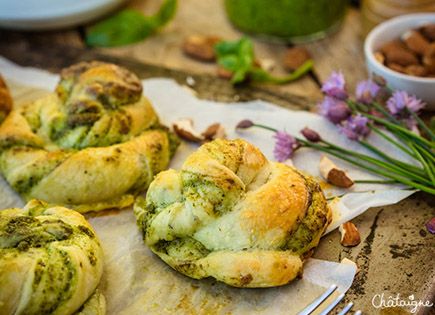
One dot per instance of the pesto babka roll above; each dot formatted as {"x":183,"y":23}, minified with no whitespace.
{"x":93,"y":144}
{"x":50,"y":262}
{"x":5,"y":100}
{"x":233,"y":215}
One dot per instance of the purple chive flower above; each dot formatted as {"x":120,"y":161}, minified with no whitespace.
{"x":366,"y":91}
{"x":431,"y":226}
{"x":285,"y":146}
{"x":333,"y":109}
{"x":396,"y":106}
{"x":397,"y":102}
{"x":311,"y":135}
{"x":356,"y":128}
{"x":335,"y":86}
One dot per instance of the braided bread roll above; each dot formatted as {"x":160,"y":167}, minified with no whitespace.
{"x":233,"y":215}
{"x":50,"y":262}
{"x":5,"y":100}
{"x":93,"y":144}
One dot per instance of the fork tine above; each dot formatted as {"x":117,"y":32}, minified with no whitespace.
{"x":332,"y":305}
{"x":346,"y":309}
{"x":358,"y":313}
{"x":310,"y":308}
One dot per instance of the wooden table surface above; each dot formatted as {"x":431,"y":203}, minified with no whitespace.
{"x":396,"y":253}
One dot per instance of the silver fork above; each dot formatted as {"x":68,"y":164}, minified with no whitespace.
{"x":310,"y":308}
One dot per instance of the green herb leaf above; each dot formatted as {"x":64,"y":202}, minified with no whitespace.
{"x":238,"y":57}
{"x":130,"y":26}
{"x":164,"y":15}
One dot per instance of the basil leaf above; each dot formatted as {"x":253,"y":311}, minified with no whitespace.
{"x":130,"y":26}
{"x":238,"y":57}
{"x":164,"y":15}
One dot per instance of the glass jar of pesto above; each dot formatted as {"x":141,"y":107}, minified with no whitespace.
{"x":287,"y":20}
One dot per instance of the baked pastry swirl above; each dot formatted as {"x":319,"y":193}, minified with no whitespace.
{"x":91,"y":145}
{"x":50,"y":262}
{"x":5,"y":100}
{"x":233,"y":215}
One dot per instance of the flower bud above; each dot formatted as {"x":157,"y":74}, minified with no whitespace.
{"x":310,"y":135}
{"x":244,"y":124}
{"x":431,"y":226}
{"x":379,"y":80}
{"x":338,"y":113}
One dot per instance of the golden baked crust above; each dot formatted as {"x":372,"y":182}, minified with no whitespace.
{"x":233,"y":215}
{"x":91,"y":145}
{"x":5,"y":100}
{"x":50,"y":261}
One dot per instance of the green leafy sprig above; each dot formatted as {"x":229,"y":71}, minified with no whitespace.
{"x":130,"y":26}
{"x":238,"y":57}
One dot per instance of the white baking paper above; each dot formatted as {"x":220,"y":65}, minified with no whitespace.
{"x":137,"y":282}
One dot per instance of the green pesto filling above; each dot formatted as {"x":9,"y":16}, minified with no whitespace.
{"x":307,"y":235}
{"x":24,"y":232}
{"x":54,"y":275}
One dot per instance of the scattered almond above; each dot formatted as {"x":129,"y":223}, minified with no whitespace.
{"x":200,"y":47}
{"x":266,"y":64}
{"x":184,"y":128}
{"x":350,"y":262}
{"x":296,"y":57}
{"x":214,"y":131}
{"x":224,"y":73}
{"x":333,"y":174}
{"x":349,"y":234}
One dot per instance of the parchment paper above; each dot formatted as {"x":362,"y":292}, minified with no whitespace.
{"x":136,"y":282}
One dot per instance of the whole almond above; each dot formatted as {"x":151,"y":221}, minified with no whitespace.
{"x":416,"y":70}
{"x":391,"y":46}
{"x":200,"y":47}
{"x":296,"y":57}
{"x":379,"y":56}
{"x":416,"y":42}
{"x":428,"y":31}
{"x":429,"y":58}
{"x":403,"y":57}
{"x":349,"y":234}
{"x":396,"y":67}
